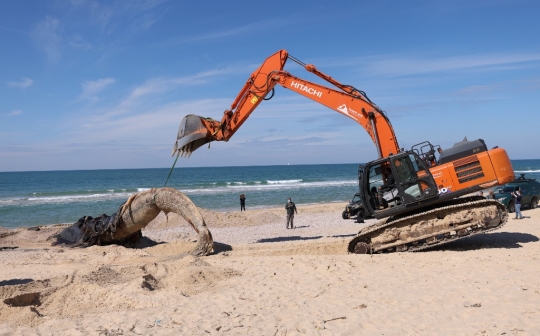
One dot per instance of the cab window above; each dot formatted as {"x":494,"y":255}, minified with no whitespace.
{"x":405,"y":173}
{"x":375,"y":176}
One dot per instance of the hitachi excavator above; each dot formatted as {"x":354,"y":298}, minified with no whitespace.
{"x":421,"y":200}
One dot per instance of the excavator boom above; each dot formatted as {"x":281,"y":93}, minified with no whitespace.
{"x":196,"y":131}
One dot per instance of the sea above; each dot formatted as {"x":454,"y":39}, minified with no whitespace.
{"x":53,"y":197}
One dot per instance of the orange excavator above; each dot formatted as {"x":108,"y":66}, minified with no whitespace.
{"x":421,"y":196}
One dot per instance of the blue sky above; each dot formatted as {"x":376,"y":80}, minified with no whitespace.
{"x":104,"y":84}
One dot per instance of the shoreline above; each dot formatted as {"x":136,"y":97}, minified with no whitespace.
{"x":275,"y":208}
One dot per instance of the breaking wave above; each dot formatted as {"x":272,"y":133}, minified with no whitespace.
{"x":37,"y":198}
{"x":284,"y":181}
{"x":267,"y":186}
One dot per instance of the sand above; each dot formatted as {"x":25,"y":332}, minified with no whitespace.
{"x":266,"y":280}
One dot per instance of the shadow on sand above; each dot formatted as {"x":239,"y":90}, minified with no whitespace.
{"x":14,"y":282}
{"x":284,"y":239}
{"x":145,"y":242}
{"x":506,"y":240}
{"x":8,"y":248}
{"x":344,"y":235}
{"x":220,"y":247}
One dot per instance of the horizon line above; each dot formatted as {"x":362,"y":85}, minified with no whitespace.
{"x":276,"y":165}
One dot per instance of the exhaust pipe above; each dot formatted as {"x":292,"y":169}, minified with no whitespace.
{"x":192,"y":134}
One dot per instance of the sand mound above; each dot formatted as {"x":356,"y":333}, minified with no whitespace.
{"x":108,"y":289}
{"x":193,"y":276}
{"x":33,"y":235}
{"x":104,"y":276}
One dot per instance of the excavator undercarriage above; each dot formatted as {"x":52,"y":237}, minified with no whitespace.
{"x":456,"y":219}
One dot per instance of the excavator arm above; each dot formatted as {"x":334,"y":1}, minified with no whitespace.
{"x":195,"y":131}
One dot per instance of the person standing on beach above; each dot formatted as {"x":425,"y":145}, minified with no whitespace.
{"x":242,"y":202}
{"x":517,"y":198}
{"x":291,"y":210}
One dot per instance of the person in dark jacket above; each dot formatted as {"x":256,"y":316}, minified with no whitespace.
{"x":517,"y":197}
{"x":242,"y":202}
{"x":291,"y":210}
{"x":387,"y":191}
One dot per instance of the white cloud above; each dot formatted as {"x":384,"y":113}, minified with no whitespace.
{"x":23,"y":83}
{"x":15,"y":112}
{"x":410,"y":65}
{"x":90,"y":89}
{"x":281,"y":141}
{"x":108,"y":14}
{"x":165,"y":84}
{"x":137,"y":103}
{"x":77,"y":42}
{"x":414,"y":66}
{"x":157,"y":122}
{"x":47,"y":37}
{"x":228,"y":32}
{"x":234,"y":31}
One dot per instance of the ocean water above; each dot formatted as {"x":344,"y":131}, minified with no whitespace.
{"x":531,"y":168}
{"x":40,"y":198}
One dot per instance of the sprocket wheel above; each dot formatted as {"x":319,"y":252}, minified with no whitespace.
{"x":361,"y":248}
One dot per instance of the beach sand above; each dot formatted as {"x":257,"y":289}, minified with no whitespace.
{"x":266,"y":280}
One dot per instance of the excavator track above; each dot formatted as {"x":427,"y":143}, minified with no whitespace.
{"x":463,"y":218}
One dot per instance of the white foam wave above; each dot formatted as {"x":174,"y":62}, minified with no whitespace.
{"x":53,"y":199}
{"x":10,"y":201}
{"x":111,"y":194}
{"x":284,"y":181}
{"x":266,"y":187}
{"x":62,"y":199}
{"x":527,"y":171}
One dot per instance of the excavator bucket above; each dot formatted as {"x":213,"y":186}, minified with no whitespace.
{"x":192,"y":134}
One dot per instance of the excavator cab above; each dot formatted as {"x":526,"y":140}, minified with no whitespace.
{"x":396,"y":184}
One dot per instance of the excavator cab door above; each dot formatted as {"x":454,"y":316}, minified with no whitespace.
{"x":413,"y":178}
{"x":395,"y":184}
